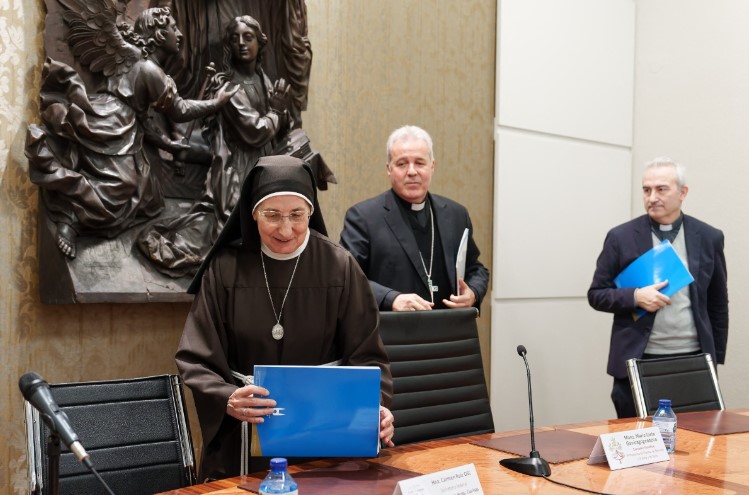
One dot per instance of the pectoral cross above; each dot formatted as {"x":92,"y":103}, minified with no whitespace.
{"x":432,"y":288}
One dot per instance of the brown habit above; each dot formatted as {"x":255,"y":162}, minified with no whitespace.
{"x":329,"y":314}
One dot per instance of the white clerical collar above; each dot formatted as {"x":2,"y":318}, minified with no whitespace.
{"x":418,"y":206}
{"x":666,"y":228}
{"x":281,"y":257}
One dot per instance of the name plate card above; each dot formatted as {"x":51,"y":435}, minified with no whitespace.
{"x":461,"y":480}
{"x":630,"y":448}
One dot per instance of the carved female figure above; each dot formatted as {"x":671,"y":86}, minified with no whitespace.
{"x":257,"y":114}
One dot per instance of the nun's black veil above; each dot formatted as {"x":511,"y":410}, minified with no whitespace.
{"x":270,"y":174}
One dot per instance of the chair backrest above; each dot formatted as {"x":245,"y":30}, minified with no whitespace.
{"x":690,"y":382}
{"x":438,"y":374}
{"x":135,"y":431}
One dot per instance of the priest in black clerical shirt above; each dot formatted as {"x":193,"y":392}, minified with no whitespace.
{"x":695,"y":318}
{"x":407,"y":240}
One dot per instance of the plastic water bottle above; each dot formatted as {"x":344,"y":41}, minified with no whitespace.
{"x":278,"y":480}
{"x":665,"y":419}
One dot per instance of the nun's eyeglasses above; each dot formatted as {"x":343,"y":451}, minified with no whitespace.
{"x":275,"y":217}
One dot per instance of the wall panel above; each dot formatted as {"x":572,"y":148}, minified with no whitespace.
{"x":567,"y":346}
{"x":563,"y":177}
{"x":552,"y":196}
{"x":693,"y":104}
{"x":566,"y":68}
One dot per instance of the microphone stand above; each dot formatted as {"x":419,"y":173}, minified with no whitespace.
{"x":53,"y":464}
{"x":534,"y":464}
{"x":39,"y":396}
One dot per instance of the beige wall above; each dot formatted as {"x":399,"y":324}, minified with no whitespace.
{"x":377,"y":65}
{"x":692,"y":103}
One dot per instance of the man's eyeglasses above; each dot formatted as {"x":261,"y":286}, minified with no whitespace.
{"x":275,"y":217}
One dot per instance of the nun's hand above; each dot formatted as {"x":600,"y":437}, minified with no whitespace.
{"x":387,"y":426}
{"x":247,"y":404}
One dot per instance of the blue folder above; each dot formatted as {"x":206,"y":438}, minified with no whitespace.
{"x":658,"y":264}
{"x":321,"y":411}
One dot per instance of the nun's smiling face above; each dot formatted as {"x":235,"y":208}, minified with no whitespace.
{"x":282,"y":222}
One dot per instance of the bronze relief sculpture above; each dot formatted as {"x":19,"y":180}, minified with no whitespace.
{"x":114,"y":132}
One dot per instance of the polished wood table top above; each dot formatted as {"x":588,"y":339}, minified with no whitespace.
{"x":702,"y":465}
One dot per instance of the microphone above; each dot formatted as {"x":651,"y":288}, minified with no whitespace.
{"x":37,"y":392}
{"x":532,"y":465}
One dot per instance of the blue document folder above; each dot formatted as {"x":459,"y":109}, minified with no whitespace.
{"x":321,"y":411}
{"x":659,"y":264}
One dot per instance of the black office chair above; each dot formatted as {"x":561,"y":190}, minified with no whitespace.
{"x":690,"y":382}
{"x":135,"y":431}
{"x":438,"y":374}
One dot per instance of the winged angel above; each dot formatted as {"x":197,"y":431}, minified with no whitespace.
{"x":87,"y":153}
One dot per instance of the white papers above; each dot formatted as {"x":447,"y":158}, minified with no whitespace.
{"x":630,"y":448}
{"x":460,"y":261}
{"x":454,"y":481}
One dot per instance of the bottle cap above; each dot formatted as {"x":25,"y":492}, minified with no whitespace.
{"x":664,"y":403}
{"x":278,"y":463}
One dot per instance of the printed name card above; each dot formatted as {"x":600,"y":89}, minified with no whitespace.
{"x":461,"y":480}
{"x":630,"y":448}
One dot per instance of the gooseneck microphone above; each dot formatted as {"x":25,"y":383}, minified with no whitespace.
{"x":532,"y":465}
{"x":37,"y":392}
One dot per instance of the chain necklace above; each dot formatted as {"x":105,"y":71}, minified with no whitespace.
{"x":277,"y":330}
{"x":432,"y":288}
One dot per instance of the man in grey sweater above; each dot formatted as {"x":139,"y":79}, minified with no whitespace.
{"x":691,"y":321}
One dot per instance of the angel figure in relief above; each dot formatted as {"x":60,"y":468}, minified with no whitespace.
{"x":87,"y":154}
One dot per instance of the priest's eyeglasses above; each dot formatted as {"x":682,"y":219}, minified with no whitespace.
{"x":275,"y":217}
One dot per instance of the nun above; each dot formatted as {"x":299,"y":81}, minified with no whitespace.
{"x":272,"y":290}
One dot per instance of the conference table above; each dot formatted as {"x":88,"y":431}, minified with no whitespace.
{"x":702,"y":464}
